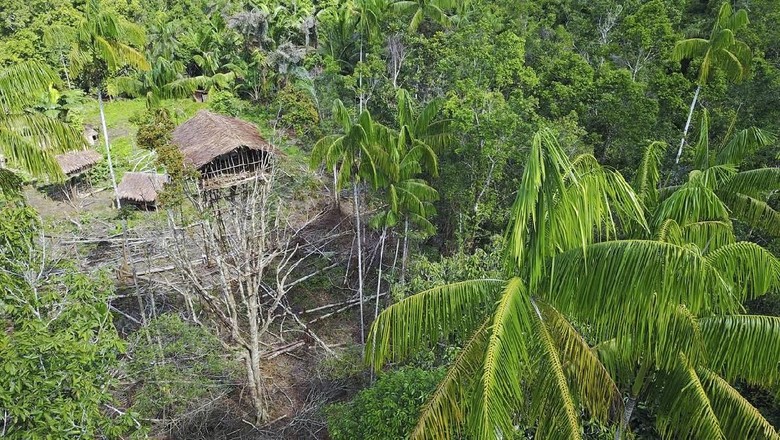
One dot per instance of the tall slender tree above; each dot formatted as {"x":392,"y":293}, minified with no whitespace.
{"x":422,"y":9}
{"x":721,"y":51}
{"x":356,"y":155}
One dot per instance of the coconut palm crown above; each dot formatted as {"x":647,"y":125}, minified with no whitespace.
{"x":590,"y":321}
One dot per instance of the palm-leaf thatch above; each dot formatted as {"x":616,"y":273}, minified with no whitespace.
{"x":141,"y":188}
{"x":76,"y":162}
{"x":207,"y":135}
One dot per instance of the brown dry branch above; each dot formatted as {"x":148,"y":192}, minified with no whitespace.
{"x":254,"y":256}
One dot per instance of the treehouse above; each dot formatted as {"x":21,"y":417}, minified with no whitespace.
{"x":141,"y":189}
{"x":226,"y":151}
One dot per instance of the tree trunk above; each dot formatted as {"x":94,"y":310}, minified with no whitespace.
{"x":687,"y":124}
{"x":253,"y":368}
{"x":360,"y":259}
{"x":405,"y":253}
{"x":108,"y":147}
{"x":360,"y":77}
{"x":335,"y":188}
{"x":395,"y":257}
{"x":379,"y":276}
{"x":636,"y":388}
{"x":65,"y":69}
{"x":629,"y":409}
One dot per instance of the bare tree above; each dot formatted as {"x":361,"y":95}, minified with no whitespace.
{"x":397,"y":54}
{"x":243,"y":258}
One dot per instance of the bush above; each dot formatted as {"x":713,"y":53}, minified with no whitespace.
{"x":298,"y":110}
{"x":58,"y":345}
{"x":178,"y":366}
{"x":226,"y":103}
{"x":387,"y":410}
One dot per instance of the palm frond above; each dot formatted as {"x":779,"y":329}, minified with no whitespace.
{"x":556,"y":409}
{"x":526,"y":237}
{"x":444,"y":412}
{"x":595,"y":388}
{"x":755,"y":183}
{"x":649,"y":174}
{"x":754,"y":212}
{"x":708,"y":235}
{"x":737,"y":417}
{"x":427,"y":317}
{"x":693,"y":202}
{"x":506,"y":362}
{"x":743,"y":347}
{"x":23,"y":153}
{"x":744,"y":143}
{"x":683,"y":408}
{"x":690,"y":48}
{"x":630,"y":290}
{"x":22,"y":84}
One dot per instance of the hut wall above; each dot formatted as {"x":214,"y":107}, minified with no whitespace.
{"x":238,"y":164}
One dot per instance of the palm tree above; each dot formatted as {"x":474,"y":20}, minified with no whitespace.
{"x":357,"y":154}
{"x":102,"y":43}
{"x":717,"y":183}
{"x":721,"y":51}
{"x":664,"y":314}
{"x":407,"y":196}
{"x":427,"y":132}
{"x":29,"y":140}
{"x":420,"y":9}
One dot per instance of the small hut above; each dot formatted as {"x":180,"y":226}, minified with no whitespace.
{"x":200,"y":95}
{"x":74,"y":163}
{"x":141,"y":189}
{"x":227,"y":151}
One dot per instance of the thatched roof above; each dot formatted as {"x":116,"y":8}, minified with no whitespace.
{"x":206,"y":136}
{"x":141,"y":187}
{"x":74,"y":162}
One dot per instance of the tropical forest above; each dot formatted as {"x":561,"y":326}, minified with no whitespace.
{"x":390,"y":219}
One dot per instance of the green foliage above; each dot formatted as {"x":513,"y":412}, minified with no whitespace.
{"x":226,"y":103}
{"x":298,"y":111}
{"x":178,"y":367}
{"x":155,"y":130}
{"x":386,"y":410}
{"x":59,"y":348}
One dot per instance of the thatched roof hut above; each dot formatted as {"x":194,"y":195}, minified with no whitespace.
{"x":141,"y":188}
{"x":207,"y":136}
{"x":77,"y":162}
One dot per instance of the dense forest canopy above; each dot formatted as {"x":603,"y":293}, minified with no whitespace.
{"x":458,"y":219}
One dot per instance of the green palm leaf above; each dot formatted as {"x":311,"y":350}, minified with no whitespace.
{"x":444,"y":412}
{"x":752,"y":270}
{"x":427,"y":317}
{"x":743,"y":347}
{"x":737,"y":417}
{"x":506,"y":363}
{"x":754,"y":183}
{"x":557,"y":413}
{"x":684,"y":410}
{"x":754,"y":212}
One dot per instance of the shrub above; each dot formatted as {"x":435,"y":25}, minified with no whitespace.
{"x":387,"y":410}
{"x":177,"y":366}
